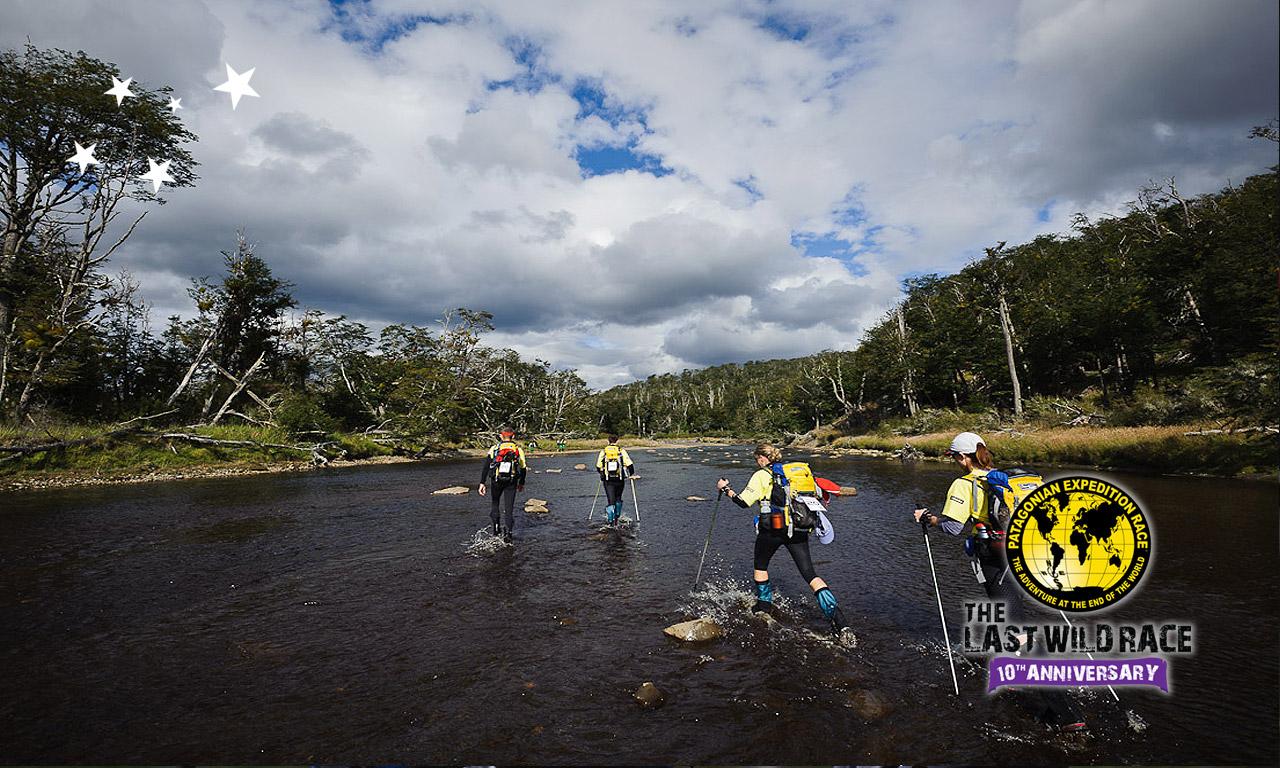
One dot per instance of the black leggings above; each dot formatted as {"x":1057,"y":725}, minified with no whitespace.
{"x":613,"y":491}
{"x":767,"y":542}
{"x":504,"y":494}
{"x":999,"y":584}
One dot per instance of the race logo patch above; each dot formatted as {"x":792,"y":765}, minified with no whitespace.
{"x":1078,"y":544}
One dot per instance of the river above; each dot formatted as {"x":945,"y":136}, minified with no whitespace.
{"x":346,"y":616}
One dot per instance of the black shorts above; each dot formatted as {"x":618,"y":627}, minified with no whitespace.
{"x":768,"y":541}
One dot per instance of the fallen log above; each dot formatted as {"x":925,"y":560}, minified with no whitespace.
{"x":1267,"y":430}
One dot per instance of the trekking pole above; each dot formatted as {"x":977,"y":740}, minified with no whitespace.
{"x":928,"y":548}
{"x":1086,"y":653}
{"x":593,"y":504}
{"x":635,"y":501}
{"x":705,"y":546}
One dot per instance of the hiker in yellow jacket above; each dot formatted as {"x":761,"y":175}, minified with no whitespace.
{"x":614,"y":466}
{"x":505,"y":468}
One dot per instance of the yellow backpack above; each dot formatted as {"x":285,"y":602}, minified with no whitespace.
{"x":800,"y":477}
{"x":798,"y":498}
{"x":613,"y":462}
{"x":505,"y":461}
{"x":1004,"y":491}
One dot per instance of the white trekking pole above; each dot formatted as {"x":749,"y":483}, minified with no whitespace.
{"x":924,"y":526}
{"x":635,"y":501}
{"x":593,"y":504}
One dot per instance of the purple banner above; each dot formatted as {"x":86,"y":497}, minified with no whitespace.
{"x":1015,"y":670}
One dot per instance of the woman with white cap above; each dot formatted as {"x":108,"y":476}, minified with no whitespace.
{"x":969,"y":499}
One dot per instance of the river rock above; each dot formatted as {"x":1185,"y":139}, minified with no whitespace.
{"x":554,"y":471}
{"x":697,"y":631}
{"x":869,"y":704}
{"x":648,"y":695}
{"x":453,"y":490}
{"x":694,"y":498}
{"x":848,"y":490}
{"x":579,"y":466}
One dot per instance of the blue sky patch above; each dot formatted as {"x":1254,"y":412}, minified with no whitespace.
{"x":749,"y":184}
{"x":594,"y":100}
{"x":786,"y":27}
{"x":533,"y":75}
{"x":1045,"y":212}
{"x":600,"y":161}
{"x":346,"y":17}
{"x":832,"y":247}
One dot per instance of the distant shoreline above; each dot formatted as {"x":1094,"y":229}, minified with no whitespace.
{"x":76,"y":478}
{"x":1160,"y":450}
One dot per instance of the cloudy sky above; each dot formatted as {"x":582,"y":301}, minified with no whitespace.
{"x":638,"y":187}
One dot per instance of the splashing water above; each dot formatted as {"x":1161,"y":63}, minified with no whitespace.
{"x":484,"y":543}
{"x":1136,"y":723}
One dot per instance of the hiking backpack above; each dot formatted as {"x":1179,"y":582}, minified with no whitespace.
{"x":505,"y":462}
{"x":796,"y":492}
{"x":612,"y":468}
{"x":1005,"y":490}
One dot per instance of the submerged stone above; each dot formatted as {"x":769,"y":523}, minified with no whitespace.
{"x":869,"y":705}
{"x":579,"y":466}
{"x":648,"y":695}
{"x":697,"y":631}
{"x":453,"y":490}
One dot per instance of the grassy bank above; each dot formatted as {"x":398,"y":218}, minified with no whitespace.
{"x":1160,"y":449}
{"x":149,"y":454}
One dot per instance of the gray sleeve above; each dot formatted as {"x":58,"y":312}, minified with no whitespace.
{"x":953,"y":527}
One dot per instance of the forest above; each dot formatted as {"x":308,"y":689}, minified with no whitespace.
{"x":1164,"y":315}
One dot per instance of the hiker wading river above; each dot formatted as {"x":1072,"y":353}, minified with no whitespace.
{"x":783,"y":522}
{"x":342,"y":616}
{"x":505,"y":467}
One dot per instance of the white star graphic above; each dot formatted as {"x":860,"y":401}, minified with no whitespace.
{"x":120,"y":90}
{"x":159,"y":174}
{"x":237,"y":85}
{"x":83,"y":157}
{"x":175,"y":105}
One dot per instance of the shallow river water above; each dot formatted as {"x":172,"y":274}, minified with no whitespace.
{"x":349,"y":616}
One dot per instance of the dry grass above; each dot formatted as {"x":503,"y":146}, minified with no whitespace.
{"x":1164,"y":449}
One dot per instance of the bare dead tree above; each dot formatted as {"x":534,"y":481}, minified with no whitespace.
{"x":908,"y":374}
{"x":76,"y":274}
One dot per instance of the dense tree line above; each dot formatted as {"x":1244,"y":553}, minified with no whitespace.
{"x":246,"y":355}
{"x":1167,"y":314}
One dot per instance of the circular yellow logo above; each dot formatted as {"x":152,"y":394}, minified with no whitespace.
{"x":1078,"y":544}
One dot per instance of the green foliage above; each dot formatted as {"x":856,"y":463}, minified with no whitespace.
{"x":54,"y":300}
{"x":361,"y":446}
{"x":300,"y":413}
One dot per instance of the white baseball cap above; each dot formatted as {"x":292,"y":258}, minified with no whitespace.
{"x":966,"y":442}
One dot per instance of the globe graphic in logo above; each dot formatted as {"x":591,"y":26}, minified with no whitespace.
{"x":1078,"y":544}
